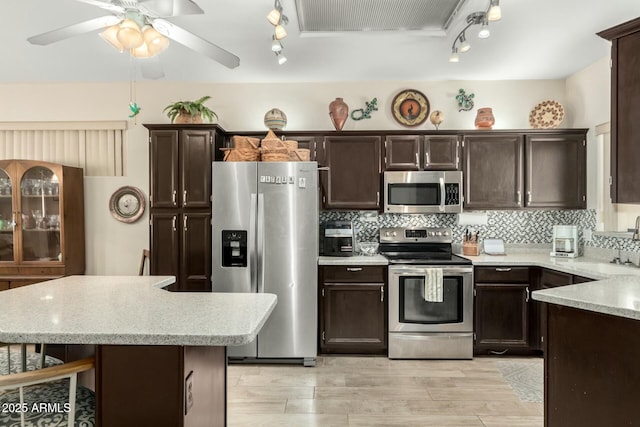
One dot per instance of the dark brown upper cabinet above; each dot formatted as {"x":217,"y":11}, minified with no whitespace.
{"x":418,"y":152}
{"x":350,"y":175}
{"x":403,"y":152}
{"x":493,"y":171}
{"x":441,"y":152}
{"x":180,"y":168}
{"x":625,"y":109}
{"x":556,"y":171}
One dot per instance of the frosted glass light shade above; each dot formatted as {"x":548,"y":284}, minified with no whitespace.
{"x":156,"y":42}
{"x":110,"y":35}
{"x":280,"y":32}
{"x":141,"y":51}
{"x":494,"y":14}
{"x":129,"y":34}
{"x":274,"y":17}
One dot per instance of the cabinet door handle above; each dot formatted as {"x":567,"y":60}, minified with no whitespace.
{"x":528,"y":197}
{"x":173,"y":197}
{"x":174,"y":223}
{"x":503,"y":269}
{"x":184,"y":223}
{"x":184,"y":198}
{"x":354,"y":268}
{"x":378,"y":197}
{"x":427,"y":159}
{"x":527,"y":294}
{"x":519,"y":197}
{"x":418,"y":160}
{"x":381,"y":293}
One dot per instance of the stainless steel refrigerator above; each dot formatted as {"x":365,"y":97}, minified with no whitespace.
{"x":265,"y":239}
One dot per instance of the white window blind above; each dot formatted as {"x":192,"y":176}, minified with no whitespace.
{"x":96,"y":147}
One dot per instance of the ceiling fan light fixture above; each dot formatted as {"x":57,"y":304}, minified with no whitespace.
{"x":280,"y":32}
{"x":281,"y":58}
{"x":110,"y":35}
{"x":494,"y":14}
{"x":454,"y":56}
{"x":129,"y":34}
{"x":141,"y":51}
{"x":155,"y":42}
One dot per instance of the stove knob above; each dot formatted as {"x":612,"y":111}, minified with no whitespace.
{"x":439,"y":233}
{"x":446,"y":233}
{"x":431,"y":233}
{"x":394,"y":234}
{"x":386,"y":234}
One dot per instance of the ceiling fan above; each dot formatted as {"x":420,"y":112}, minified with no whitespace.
{"x":148,"y":15}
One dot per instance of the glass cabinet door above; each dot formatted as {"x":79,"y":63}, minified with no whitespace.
{"x":40,"y":210}
{"x":6,"y":217}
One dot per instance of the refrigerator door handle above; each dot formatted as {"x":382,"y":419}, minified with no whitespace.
{"x":252,"y":247}
{"x":260,"y":244}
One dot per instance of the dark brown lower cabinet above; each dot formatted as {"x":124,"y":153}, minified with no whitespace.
{"x":161,"y":386}
{"x":181,"y":247}
{"x":353,"y":313}
{"x":548,"y":279}
{"x":504,"y":318}
{"x":591,"y":369}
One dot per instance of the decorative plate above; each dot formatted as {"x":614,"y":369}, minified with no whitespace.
{"x":410,"y":107}
{"x":546,"y":115}
{"x":127,"y":204}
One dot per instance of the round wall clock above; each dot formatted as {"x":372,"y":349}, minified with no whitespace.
{"x":410,"y":107}
{"x":127,"y":204}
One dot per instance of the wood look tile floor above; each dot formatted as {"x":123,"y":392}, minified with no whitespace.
{"x":376,"y":391}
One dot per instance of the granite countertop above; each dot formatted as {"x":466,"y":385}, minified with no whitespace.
{"x":129,"y":310}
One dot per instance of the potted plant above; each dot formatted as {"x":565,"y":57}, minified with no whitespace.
{"x":190,"y":111}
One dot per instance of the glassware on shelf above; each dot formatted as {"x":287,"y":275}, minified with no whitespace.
{"x":53,"y":222}
{"x":38,"y":217}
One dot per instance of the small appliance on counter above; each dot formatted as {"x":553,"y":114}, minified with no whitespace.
{"x":565,"y":241}
{"x":337,"y":238}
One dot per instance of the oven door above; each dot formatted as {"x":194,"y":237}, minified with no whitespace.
{"x":410,"y":312}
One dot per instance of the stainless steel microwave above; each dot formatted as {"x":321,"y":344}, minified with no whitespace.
{"x":423,"y":192}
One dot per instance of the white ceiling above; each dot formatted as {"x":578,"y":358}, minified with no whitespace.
{"x":536,"y":39}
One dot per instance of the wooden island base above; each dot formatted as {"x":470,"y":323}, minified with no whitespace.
{"x":592,"y":369}
{"x":160,"y":386}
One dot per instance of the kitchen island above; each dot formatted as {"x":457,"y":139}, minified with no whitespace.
{"x":592,"y":374}
{"x":160,"y":356}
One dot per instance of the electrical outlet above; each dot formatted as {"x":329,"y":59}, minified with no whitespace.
{"x":587,"y":234}
{"x":188,"y":393}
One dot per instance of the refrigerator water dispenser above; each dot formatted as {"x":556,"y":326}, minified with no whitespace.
{"x":234,"y":248}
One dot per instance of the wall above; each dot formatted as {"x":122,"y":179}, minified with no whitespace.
{"x":115,"y":248}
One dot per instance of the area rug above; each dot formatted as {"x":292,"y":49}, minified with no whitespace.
{"x":525,"y":377}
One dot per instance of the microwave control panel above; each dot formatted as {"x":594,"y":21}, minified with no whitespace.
{"x":452,"y":194}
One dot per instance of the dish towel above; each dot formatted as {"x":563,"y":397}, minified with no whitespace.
{"x":433,"y":289}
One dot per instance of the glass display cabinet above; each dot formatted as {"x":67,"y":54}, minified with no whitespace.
{"x":41,"y":222}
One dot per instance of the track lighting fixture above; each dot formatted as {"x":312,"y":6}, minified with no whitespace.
{"x":278,"y":20}
{"x":460,"y":43}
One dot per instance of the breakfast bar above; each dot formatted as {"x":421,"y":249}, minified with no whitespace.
{"x":592,"y":352}
{"x":160,"y":356}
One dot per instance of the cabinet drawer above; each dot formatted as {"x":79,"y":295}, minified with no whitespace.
{"x":354,"y":273}
{"x":552,"y":279}
{"x":502,"y":274}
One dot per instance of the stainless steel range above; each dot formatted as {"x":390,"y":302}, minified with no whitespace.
{"x":430,"y":295}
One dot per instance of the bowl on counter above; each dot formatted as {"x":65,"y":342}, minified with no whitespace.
{"x":368,"y":248}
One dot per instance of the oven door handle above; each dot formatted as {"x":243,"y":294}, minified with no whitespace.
{"x":419,"y":271}
{"x":442,"y":194}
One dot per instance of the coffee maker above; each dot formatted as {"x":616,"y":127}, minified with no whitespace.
{"x":565,"y":241}
{"x":336,"y":238}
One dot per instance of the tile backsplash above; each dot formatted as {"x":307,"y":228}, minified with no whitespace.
{"x":514,"y":227}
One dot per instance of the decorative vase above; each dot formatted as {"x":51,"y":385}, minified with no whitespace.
{"x":339,"y":112}
{"x":185,"y":117}
{"x":484,"y":118}
{"x":275,"y":119}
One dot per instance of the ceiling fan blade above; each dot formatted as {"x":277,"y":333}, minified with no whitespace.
{"x":151,"y":68}
{"x":73,"y":30}
{"x":196,"y":43}
{"x":108,"y":6}
{"x":167,"y":8}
